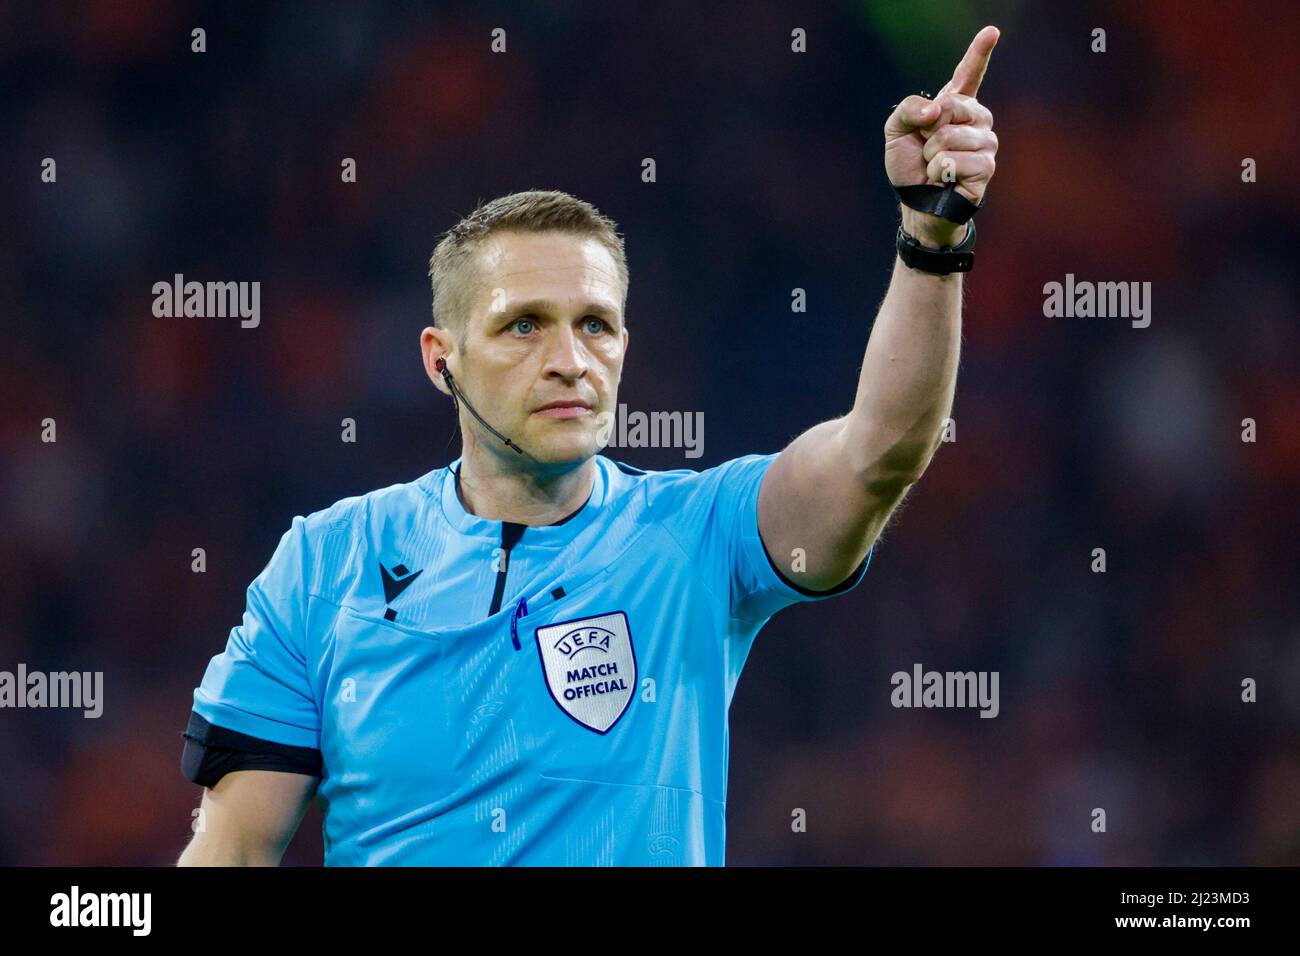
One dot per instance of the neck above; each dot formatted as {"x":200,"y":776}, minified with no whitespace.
{"x":490,"y":488}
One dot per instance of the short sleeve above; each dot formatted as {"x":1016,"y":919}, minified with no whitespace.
{"x":758,"y":588}
{"x":259,"y":686}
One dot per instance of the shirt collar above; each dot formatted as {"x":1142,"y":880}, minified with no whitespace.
{"x":443,"y":488}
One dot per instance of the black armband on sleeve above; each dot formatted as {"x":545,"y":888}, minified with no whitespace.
{"x":211,"y":752}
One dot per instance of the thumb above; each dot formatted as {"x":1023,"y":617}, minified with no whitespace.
{"x":910,"y":115}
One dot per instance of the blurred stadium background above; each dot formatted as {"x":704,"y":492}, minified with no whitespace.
{"x":1119,"y":690}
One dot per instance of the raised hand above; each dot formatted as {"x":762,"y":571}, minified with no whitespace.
{"x":945,"y":139}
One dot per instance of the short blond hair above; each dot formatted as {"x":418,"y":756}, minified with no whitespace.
{"x":452,"y":263}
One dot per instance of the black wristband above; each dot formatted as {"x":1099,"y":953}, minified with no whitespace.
{"x":942,"y":201}
{"x":958,"y":258}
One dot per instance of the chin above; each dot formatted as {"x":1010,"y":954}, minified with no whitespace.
{"x":564,"y":449}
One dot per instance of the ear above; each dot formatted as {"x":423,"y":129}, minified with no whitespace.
{"x":437,"y":343}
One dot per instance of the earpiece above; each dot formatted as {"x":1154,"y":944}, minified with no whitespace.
{"x":457,"y":397}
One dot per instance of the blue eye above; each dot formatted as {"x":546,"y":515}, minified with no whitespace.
{"x":600,"y":323}
{"x":519,"y":322}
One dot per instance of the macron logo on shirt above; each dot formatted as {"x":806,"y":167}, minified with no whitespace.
{"x":395,"y":582}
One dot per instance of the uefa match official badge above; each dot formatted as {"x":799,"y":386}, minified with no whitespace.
{"x":590,"y":668}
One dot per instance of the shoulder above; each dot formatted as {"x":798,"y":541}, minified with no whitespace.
{"x":336,"y":541}
{"x":381,"y":504}
{"x":683,"y":489}
{"x":358,"y":515}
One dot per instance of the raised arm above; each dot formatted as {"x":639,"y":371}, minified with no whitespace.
{"x":832,"y":490}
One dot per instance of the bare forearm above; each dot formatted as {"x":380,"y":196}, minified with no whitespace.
{"x":836,"y":485}
{"x":909,"y":375}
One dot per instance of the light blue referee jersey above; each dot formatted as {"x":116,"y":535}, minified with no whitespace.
{"x":487,"y":693}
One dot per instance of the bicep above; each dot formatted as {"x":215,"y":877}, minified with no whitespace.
{"x":249,"y":817}
{"x":812,"y":500}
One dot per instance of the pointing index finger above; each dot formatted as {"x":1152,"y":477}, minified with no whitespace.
{"x":969,"y":74}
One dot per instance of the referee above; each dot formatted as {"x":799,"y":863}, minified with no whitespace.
{"x":527,"y":657}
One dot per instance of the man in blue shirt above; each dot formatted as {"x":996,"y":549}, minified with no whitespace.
{"x":483,"y":691}
{"x":527,"y":657}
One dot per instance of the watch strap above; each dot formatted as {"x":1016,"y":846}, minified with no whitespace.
{"x":948,"y":259}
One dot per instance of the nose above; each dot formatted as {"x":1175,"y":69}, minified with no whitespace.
{"x":566,"y":356}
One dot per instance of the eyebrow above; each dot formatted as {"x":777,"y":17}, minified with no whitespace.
{"x":549,"y":308}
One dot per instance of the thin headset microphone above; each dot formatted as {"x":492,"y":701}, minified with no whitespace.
{"x":457,"y":396}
